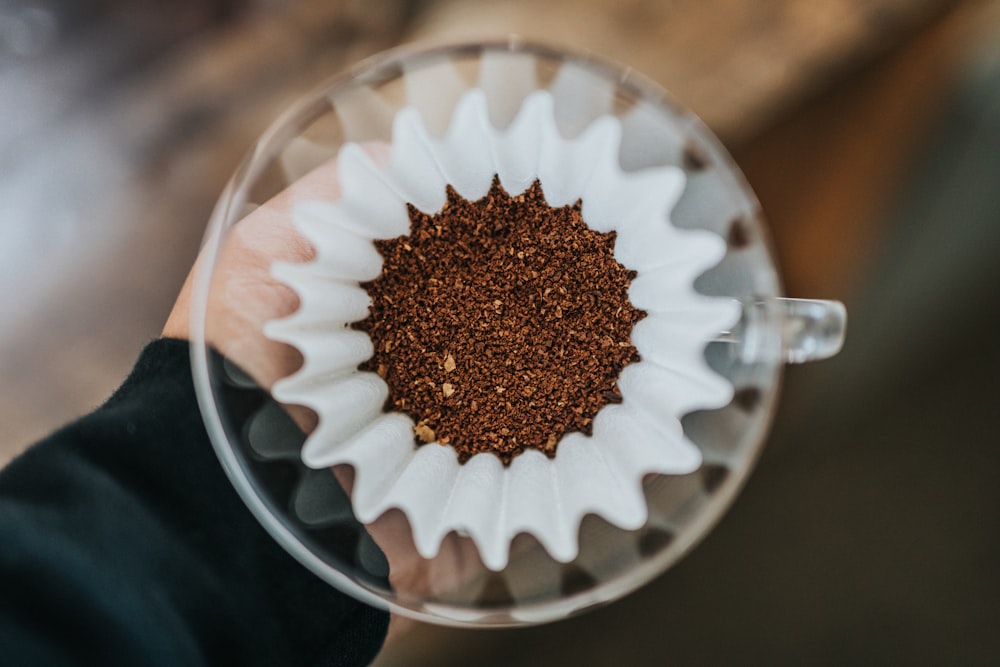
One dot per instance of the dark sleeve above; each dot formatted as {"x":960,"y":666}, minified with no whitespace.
{"x":123,"y":543}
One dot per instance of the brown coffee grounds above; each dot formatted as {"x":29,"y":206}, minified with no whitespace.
{"x":500,"y":324}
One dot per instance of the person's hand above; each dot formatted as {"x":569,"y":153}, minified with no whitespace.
{"x":243,"y":296}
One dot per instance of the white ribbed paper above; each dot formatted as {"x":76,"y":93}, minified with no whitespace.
{"x":599,"y":474}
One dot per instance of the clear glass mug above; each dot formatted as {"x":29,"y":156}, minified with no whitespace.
{"x":308,"y":512}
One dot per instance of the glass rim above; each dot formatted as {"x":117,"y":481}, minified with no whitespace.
{"x":387,"y":66}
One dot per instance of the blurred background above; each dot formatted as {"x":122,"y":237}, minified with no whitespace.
{"x":870,"y":130}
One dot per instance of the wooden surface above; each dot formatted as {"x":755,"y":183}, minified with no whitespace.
{"x":825,"y":174}
{"x":739,"y":65}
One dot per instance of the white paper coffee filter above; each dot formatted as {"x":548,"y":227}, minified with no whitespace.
{"x":491,"y":503}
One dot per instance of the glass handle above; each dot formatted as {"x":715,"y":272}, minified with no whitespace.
{"x":793,"y":331}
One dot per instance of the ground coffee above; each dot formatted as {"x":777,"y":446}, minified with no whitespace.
{"x":500,"y":324}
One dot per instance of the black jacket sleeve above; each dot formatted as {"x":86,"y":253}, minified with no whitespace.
{"x":123,"y":543}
